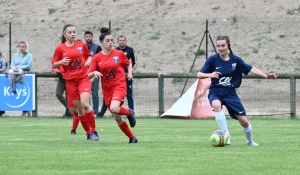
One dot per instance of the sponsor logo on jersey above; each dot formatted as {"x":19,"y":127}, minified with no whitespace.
{"x":225,"y":81}
{"x":75,"y":64}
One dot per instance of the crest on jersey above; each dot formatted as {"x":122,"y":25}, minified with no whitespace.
{"x":116,"y":59}
{"x":79,"y":49}
{"x":233,"y":66}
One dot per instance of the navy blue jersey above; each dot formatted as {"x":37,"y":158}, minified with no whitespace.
{"x":231,"y":70}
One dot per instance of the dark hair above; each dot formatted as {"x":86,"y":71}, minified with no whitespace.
{"x":63,"y":39}
{"x":88,"y":32}
{"x":0,"y":54}
{"x":104,"y":31}
{"x":227,"y":41}
{"x":121,"y":36}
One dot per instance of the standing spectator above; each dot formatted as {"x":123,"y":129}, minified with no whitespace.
{"x":225,"y":70}
{"x":110,"y":64}
{"x":3,"y":67}
{"x":103,"y":109}
{"x":130,"y":54}
{"x":60,"y":90}
{"x":22,"y":60}
{"x":94,"y":48}
{"x":75,"y":57}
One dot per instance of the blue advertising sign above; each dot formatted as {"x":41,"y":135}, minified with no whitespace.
{"x":24,"y":97}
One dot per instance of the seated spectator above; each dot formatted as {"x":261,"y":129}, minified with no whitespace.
{"x":3,"y":66}
{"x":22,"y":62}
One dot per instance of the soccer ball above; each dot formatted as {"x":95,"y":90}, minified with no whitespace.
{"x":218,"y":138}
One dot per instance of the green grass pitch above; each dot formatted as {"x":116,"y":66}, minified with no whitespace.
{"x":166,"y":146}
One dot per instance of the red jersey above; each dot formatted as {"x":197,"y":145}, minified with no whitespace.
{"x":111,"y":66}
{"x":78,"y":53}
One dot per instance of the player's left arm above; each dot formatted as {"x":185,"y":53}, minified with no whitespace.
{"x":260,"y":73}
{"x":88,"y":61}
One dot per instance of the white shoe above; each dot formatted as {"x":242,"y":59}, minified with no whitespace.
{"x":228,"y":141}
{"x":252,"y":143}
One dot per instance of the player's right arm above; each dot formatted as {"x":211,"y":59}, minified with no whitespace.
{"x":57,"y":59}
{"x":202,"y":75}
{"x":93,"y":69}
{"x":206,"y":71}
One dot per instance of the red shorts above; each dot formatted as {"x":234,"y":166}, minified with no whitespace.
{"x":116,"y":95}
{"x":70,"y":103}
{"x":77,"y":87}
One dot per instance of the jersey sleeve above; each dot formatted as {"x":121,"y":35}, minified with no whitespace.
{"x":245,"y":68}
{"x":207,"y":67}
{"x":57,"y":55}
{"x":86,"y":52}
{"x":94,"y":64}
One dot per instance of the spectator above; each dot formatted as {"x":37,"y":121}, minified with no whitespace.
{"x":130,"y":54}
{"x":94,"y":48}
{"x":22,"y":61}
{"x":3,"y":67}
{"x":60,"y":90}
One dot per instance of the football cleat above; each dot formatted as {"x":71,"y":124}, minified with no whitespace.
{"x":252,"y":143}
{"x":133,"y":140}
{"x":94,"y":136}
{"x":73,"y":132}
{"x":131,"y":118}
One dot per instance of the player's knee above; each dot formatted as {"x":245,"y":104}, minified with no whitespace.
{"x":115,"y":109}
{"x":216,"y":105}
{"x":244,"y":121}
{"x":80,"y":110}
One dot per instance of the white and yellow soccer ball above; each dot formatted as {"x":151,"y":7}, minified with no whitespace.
{"x":218,"y":138}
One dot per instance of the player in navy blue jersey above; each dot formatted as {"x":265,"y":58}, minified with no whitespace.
{"x":225,"y":70}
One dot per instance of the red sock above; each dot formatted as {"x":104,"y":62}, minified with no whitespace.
{"x":126,"y":130}
{"x":91,"y":119}
{"x":85,"y":124}
{"x":124,"y":111}
{"x":75,"y":122}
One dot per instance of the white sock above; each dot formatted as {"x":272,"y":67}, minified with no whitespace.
{"x":221,"y":120}
{"x":248,"y":133}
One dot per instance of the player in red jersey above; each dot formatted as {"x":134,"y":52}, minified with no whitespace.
{"x":75,"y":57}
{"x":110,"y":64}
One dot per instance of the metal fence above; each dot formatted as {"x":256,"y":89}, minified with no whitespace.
{"x":173,"y":45}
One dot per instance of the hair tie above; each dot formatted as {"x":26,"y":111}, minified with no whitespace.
{"x":68,"y":28}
